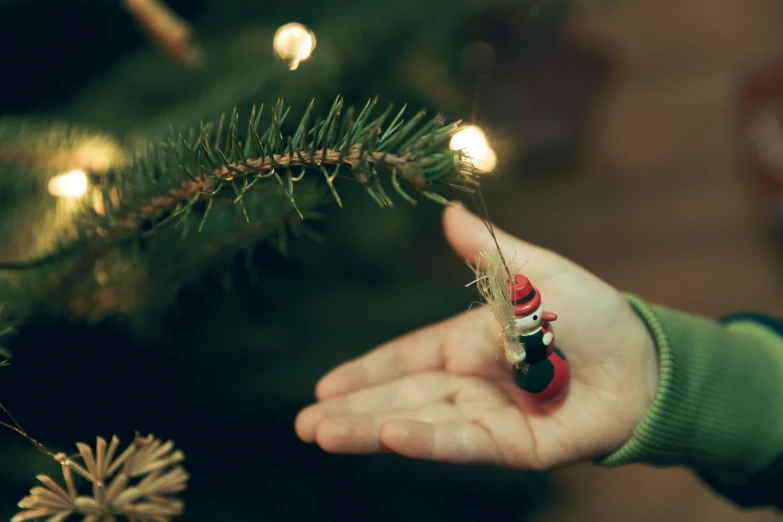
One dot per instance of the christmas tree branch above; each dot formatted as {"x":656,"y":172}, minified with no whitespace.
{"x":257,"y":169}
{"x":166,"y":184}
{"x":232,"y":185}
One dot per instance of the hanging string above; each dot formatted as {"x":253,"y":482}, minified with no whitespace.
{"x":484,"y":215}
{"x":483,"y":211}
{"x":476,"y":96}
{"x":18,"y":429}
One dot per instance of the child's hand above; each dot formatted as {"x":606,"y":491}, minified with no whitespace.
{"x":445,"y":392}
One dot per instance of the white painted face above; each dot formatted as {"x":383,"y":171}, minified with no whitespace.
{"x":529,"y":323}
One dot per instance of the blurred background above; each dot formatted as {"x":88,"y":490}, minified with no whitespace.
{"x":640,"y":138}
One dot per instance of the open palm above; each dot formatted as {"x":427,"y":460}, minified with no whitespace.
{"x":444,"y":393}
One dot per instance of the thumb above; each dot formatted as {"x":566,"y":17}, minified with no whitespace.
{"x":468,"y":237}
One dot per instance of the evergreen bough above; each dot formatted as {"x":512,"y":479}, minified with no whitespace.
{"x":161,"y":213}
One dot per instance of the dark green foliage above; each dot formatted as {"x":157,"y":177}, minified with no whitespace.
{"x":171,"y":177}
{"x":236,"y":333}
{"x":7,"y":329}
{"x":204,"y":194}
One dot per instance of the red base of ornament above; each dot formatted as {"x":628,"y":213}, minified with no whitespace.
{"x":546,"y":381}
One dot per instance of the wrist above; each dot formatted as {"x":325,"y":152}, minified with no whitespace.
{"x":711,"y":409}
{"x":651,"y":365}
{"x":640,"y":370}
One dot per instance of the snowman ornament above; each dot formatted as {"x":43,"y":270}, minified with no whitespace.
{"x":541,"y":369}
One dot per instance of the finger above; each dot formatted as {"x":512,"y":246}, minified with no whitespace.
{"x":361,"y":433}
{"x":468,"y":236}
{"x":454,"y":442}
{"x":416,"y":352}
{"x":404,"y":394}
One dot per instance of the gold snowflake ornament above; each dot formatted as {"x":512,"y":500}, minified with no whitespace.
{"x":139,"y":484}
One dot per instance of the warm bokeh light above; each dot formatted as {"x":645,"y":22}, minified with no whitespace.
{"x":294,"y":42}
{"x":474,"y":143}
{"x":72,"y":184}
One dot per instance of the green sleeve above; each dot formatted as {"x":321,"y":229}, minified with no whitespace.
{"x":719,"y":404}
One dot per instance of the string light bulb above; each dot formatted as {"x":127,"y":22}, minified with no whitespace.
{"x":472,"y":141}
{"x":72,"y":184}
{"x":294,"y":42}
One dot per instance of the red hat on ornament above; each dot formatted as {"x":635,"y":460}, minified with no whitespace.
{"x":524,"y":297}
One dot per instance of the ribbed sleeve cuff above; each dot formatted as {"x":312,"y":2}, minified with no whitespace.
{"x":717,"y":405}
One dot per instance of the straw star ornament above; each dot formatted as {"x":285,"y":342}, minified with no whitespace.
{"x":138,"y":485}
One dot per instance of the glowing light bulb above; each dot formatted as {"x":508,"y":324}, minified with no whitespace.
{"x":473,"y":142}
{"x":71,"y":184}
{"x":294,"y":42}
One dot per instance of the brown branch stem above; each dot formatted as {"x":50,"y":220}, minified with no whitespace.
{"x":160,"y":204}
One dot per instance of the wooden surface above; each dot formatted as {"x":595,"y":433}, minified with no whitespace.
{"x":663,"y":204}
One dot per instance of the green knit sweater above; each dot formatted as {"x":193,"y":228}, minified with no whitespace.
{"x":719,"y":404}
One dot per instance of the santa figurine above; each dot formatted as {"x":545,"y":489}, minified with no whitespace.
{"x":542,"y":370}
